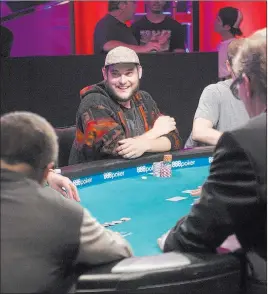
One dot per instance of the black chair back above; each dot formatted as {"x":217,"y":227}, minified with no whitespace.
{"x":66,"y":137}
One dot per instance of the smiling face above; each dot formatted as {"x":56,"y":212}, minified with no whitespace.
{"x":122,"y":80}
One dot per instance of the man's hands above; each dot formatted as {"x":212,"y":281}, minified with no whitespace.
{"x":197,"y":192}
{"x":162,"y":37}
{"x":164,"y":125}
{"x":151,"y":46}
{"x":57,"y":182}
{"x":150,"y":141}
{"x":133,"y":147}
{"x":161,"y":241}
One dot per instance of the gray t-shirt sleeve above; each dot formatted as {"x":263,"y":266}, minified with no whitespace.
{"x":209,"y":106}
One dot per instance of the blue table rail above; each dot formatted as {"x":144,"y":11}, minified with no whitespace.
{"x":104,"y":170}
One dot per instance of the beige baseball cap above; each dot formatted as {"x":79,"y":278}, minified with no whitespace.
{"x":121,"y":54}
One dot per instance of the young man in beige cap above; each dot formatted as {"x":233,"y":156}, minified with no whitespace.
{"x":115,"y":118}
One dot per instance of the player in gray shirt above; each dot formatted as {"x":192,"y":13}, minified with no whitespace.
{"x":218,"y":110}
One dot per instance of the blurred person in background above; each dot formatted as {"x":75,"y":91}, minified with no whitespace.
{"x":111,"y":31}
{"x":227,"y":24}
{"x":155,"y":26}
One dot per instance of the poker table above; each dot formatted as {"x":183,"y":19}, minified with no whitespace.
{"x":126,"y":197}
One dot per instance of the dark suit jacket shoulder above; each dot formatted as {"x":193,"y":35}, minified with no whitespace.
{"x":233,"y":199}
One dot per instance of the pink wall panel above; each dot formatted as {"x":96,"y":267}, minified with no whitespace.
{"x":45,"y":32}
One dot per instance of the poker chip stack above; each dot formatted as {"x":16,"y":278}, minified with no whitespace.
{"x":157,"y":166}
{"x":166,"y":169}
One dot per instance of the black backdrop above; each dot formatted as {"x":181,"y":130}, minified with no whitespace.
{"x":50,"y":86}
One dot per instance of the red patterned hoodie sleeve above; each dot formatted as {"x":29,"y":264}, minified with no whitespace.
{"x":99,"y":131}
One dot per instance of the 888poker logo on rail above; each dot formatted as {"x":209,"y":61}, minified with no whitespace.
{"x":82,"y":182}
{"x":111,"y":175}
{"x":144,"y":169}
{"x":185,"y":163}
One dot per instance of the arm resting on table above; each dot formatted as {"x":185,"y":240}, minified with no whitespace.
{"x":161,"y":144}
{"x":203,"y":132}
{"x":99,"y":245}
{"x":227,"y":205}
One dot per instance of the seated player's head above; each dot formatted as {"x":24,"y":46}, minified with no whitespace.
{"x":123,"y":9}
{"x":29,"y":144}
{"x":228,"y":20}
{"x":232,"y":51}
{"x":250,"y":69}
{"x":122,"y":72}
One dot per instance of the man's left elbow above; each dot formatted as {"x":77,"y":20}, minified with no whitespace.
{"x":175,"y":140}
{"x":176,"y":145}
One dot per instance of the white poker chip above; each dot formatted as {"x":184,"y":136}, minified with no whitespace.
{"x":125,"y":219}
{"x":111,"y":224}
{"x":144,"y":178}
{"x":116,"y":222}
{"x":57,"y":171}
{"x":125,"y":234}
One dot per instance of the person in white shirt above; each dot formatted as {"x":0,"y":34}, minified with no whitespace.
{"x":227,"y":24}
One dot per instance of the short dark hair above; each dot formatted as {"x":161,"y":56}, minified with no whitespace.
{"x":114,"y":5}
{"x":28,"y":138}
{"x":228,"y":16}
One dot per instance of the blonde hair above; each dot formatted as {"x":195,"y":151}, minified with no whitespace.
{"x":233,"y":48}
{"x":252,"y":61}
